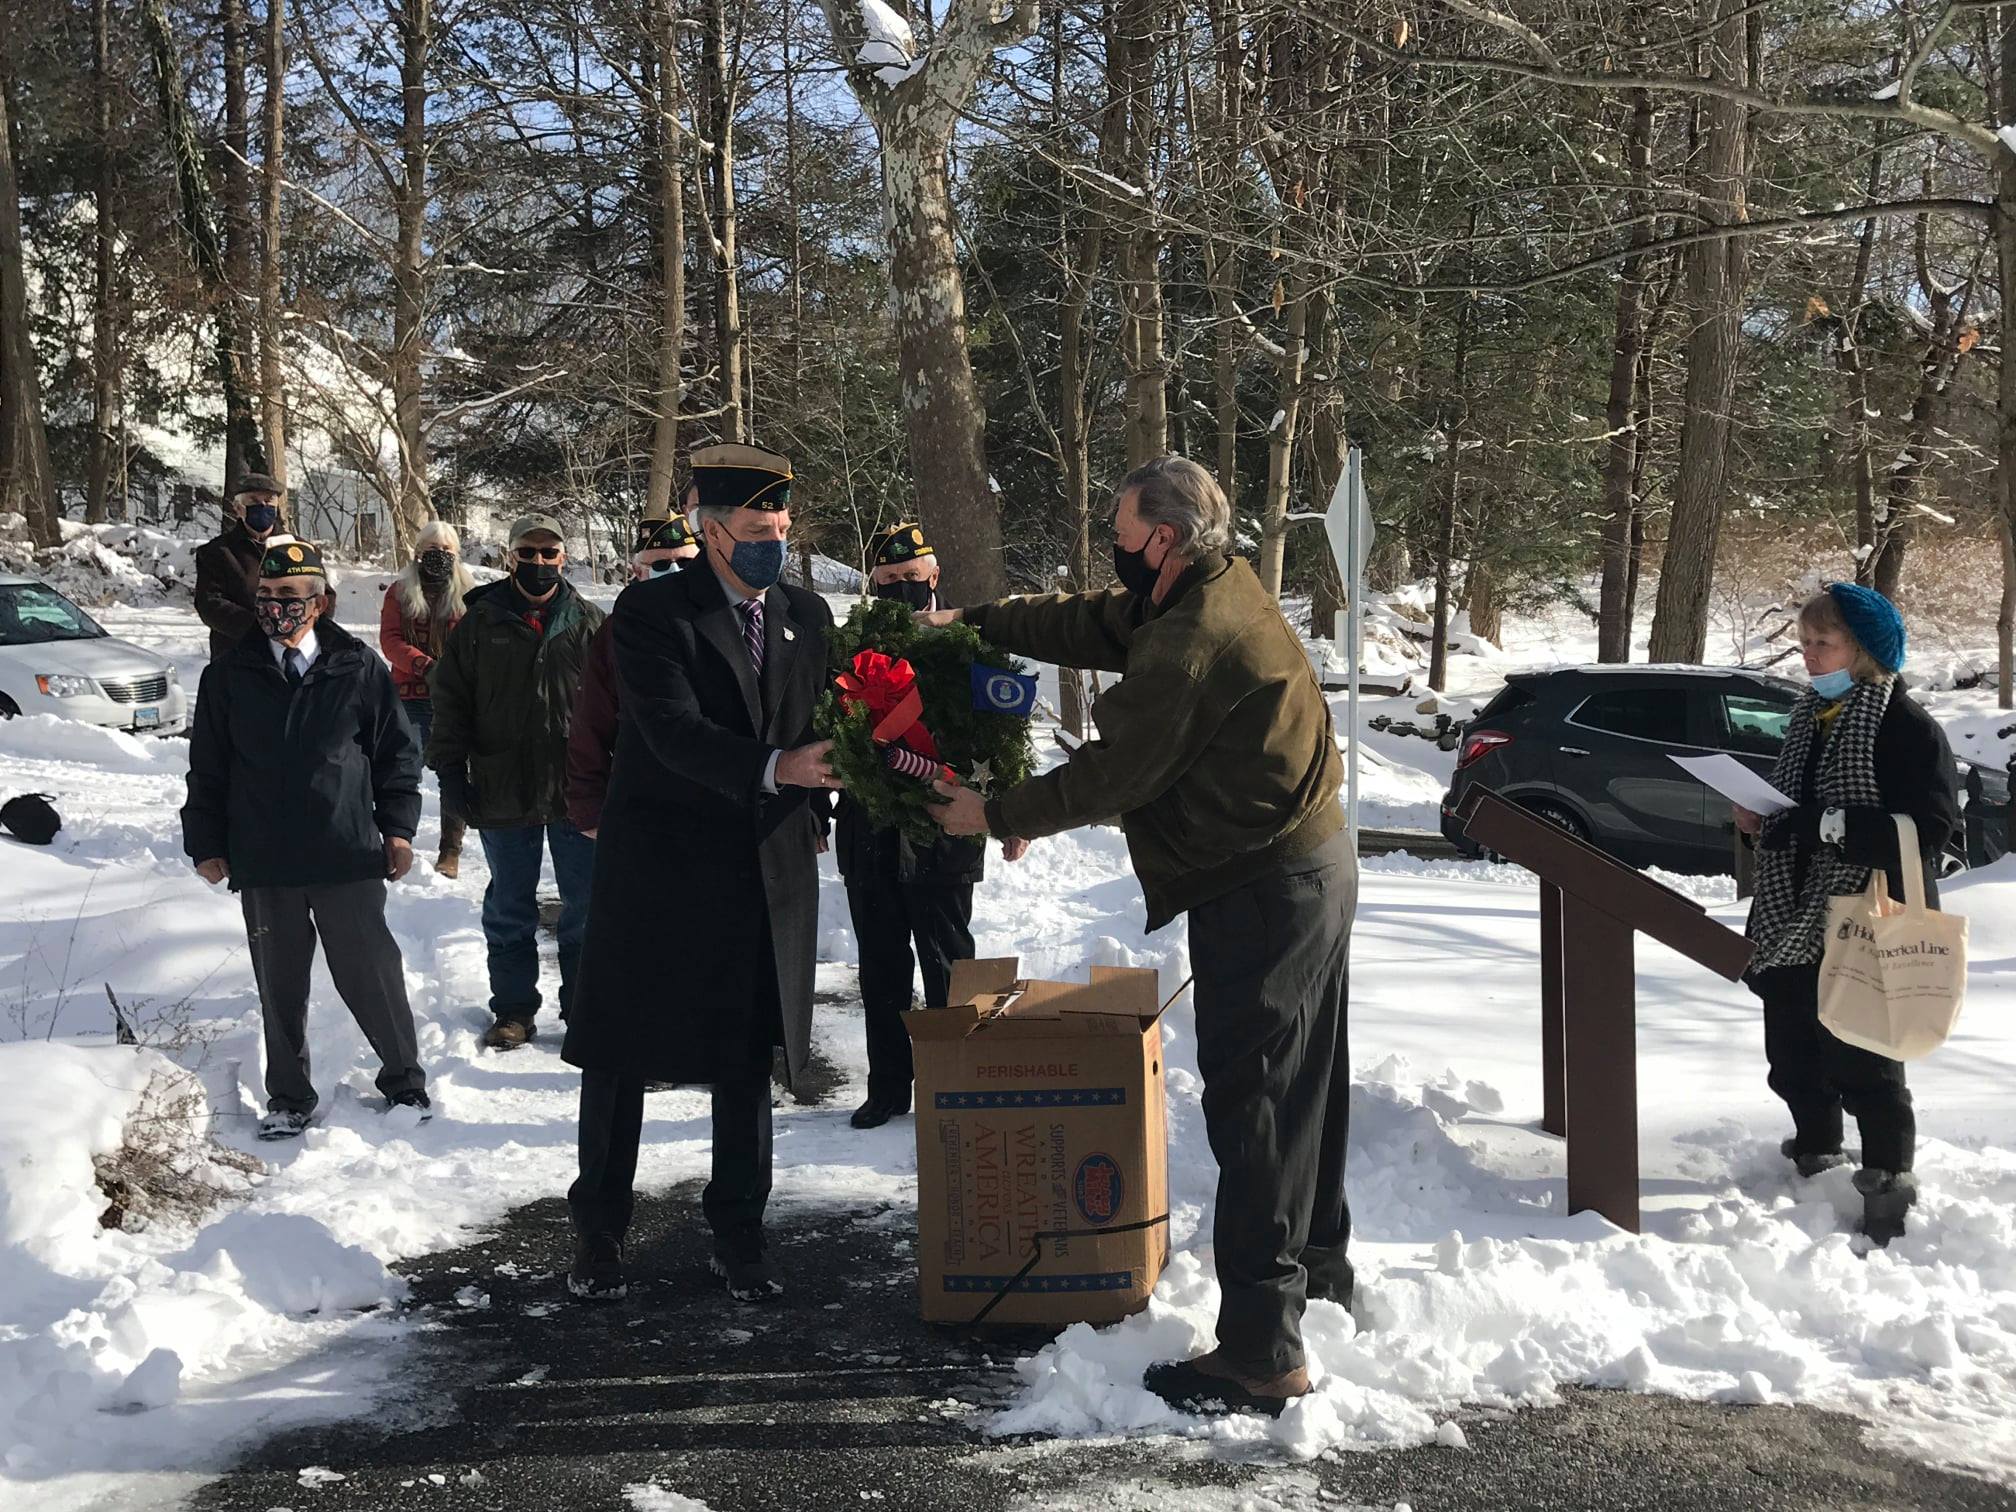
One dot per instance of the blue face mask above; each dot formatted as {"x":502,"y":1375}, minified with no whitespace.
{"x":757,"y":563}
{"x":260,"y":518}
{"x":1833,"y":685}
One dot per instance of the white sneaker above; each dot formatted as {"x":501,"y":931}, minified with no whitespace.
{"x":282,"y":1123}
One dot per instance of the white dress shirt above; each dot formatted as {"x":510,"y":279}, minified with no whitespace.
{"x":310,"y":648}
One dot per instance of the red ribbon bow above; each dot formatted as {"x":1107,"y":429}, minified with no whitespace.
{"x":887,"y":687}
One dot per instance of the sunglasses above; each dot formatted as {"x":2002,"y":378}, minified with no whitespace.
{"x":661,"y":567}
{"x":538,"y":553}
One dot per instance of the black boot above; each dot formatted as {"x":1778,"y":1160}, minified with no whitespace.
{"x":597,"y":1275}
{"x":1811,"y":1165}
{"x":1886,"y":1197}
{"x":877,"y":1111}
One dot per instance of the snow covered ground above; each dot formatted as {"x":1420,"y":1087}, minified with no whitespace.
{"x":1476,"y":1285}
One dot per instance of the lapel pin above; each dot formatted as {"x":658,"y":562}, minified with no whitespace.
{"x":789,"y":633}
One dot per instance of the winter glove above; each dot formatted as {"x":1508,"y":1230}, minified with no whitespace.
{"x":1798,"y":827}
{"x":457,"y":797}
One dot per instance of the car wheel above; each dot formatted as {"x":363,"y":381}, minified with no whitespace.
{"x":8,"y":708}
{"x":1560,"y":816}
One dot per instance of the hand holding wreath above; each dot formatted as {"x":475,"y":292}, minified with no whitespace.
{"x":903,"y":712}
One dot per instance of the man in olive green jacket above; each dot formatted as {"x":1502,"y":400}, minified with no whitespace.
{"x":1216,"y":754}
{"x":503,"y":697}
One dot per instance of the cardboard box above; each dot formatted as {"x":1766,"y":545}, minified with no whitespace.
{"x":1040,"y":1109}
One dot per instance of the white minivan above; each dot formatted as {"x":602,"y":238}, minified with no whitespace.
{"x":56,"y":659}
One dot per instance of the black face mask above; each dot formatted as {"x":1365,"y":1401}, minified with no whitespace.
{"x":535,"y":579}
{"x":436,"y":565}
{"x":1132,"y":568}
{"x":917,"y":595}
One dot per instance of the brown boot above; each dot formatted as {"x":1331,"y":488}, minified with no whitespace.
{"x":1208,"y":1379}
{"x":449,"y":862}
{"x":508,"y":1034}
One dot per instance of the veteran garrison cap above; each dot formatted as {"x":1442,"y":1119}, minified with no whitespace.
{"x":741,"y":477}
{"x":902,"y":542}
{"x":291,"y":559}
{"x":665,"y":535}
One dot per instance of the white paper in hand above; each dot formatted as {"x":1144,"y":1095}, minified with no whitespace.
{"x":1736,"y":782}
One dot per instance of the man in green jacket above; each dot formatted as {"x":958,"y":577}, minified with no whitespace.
{"x":503,"y":695}
{"x":1216,"y":754}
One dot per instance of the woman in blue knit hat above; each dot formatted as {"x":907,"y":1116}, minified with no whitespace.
{"x":1857,"y":750}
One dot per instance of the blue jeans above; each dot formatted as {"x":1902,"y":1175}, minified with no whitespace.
{"x":511,"y":912}
{"x":419,"y":714}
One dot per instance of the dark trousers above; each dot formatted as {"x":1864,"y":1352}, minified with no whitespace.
{"x":1272,"y":962}
{"x":511,"y":912}
{"x":420,"y":714}
{"x":612,"y":1123}
{"x":281,"y":926}
{"x":1820,"y":1076}
{"x":889,"y":915}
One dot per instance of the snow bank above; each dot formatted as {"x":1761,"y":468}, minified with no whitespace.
{"x":46,"y":737}
{"x":64,"y":1105}
{"x":102,"y":1318}
{"x":1761,"y":1295}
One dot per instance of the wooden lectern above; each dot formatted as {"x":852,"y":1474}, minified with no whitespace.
{"x":1590,"y":908}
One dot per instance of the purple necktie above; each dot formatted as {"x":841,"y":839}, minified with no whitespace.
{"x":752,"y":632}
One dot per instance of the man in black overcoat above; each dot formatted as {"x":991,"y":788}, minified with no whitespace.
{"x":718,"y":799}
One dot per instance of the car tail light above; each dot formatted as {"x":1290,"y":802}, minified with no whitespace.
{"x":1478,"y":742}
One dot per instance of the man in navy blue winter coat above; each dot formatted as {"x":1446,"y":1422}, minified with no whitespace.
{"x":304,"y":790}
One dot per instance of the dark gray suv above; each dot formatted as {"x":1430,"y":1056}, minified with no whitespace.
{"x":1590,"y":748}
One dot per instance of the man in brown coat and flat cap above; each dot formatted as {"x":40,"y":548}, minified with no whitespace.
{"x":227,"y":565}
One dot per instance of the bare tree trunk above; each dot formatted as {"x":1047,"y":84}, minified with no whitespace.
{"x":2005,"y":615}
{"x":1289,"y":369}
{"x":101,"y":462}
{"x":947,"y":425}
{"x":273,"y":177}
{"x":671,"y":381}
{"x":723,"y":70}
{"x":234,"y":198}
{"x":1328,"y":445}
{"x":409,"y":277}
{"x":1613,"y":624}
{"x":914,"y":117}
{"x":2005,"y":390}
{"x":27,"y":481}
{"x":1445,"y":551}
{"x":1858,"y":442}
{"x":199,"y":231}
{"x":1132,"y":46}
{"x":1481,"y":602}
{"x":1715,"y":283}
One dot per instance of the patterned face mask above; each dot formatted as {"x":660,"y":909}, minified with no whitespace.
{"x":279,"y":618}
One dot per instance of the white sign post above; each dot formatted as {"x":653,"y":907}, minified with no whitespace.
{"x":1348,"y":525}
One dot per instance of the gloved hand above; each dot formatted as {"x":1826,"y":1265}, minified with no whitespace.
{"x":457,"y":797}
{"x":1793,"y":827}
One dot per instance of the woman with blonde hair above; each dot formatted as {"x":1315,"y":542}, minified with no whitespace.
{"x":1858,"y":749}
{"x":420,"y":609}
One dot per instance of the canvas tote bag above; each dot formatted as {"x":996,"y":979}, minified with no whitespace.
{"x":1894,"y":974}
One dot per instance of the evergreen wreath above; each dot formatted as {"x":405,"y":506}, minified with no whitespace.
{"x":988,"y":751}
